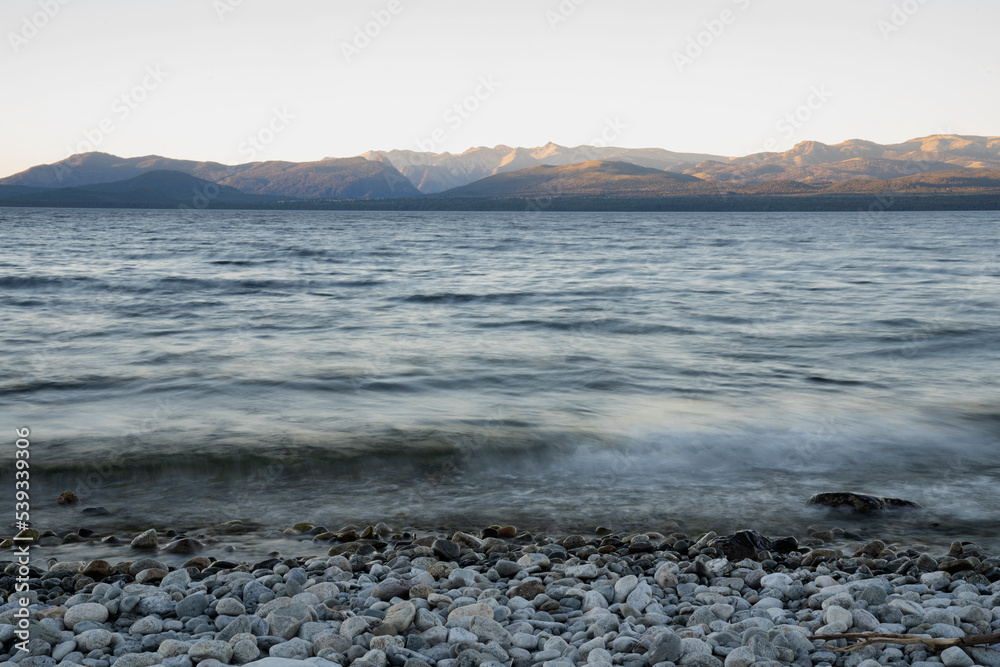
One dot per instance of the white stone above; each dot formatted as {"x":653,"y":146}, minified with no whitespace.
{"x":62,"y":649}
{"x":244,"y":651}
{"x":93,"y":639}
{"x":740,"y":657}
{"x":641,"y":596}
{"x":534,"y":560}
{"x":694,"y":645}
{"x":593,"y":600}
{"x":838,"y":615}
{"x":399,"y":616}
{"x":230,"y":607}
{"x":170,"y":648}
{"x":666,"y":575}
{"x":147,"y":625}
{"x":354,"y":626}
{"x":956,"y":657}
{"x":88,"y":611}
{"x":274,"y":662}
{"x":478,"y":609}
{"x":769,"y":603}
{"x":864,"y":620}
{"x":624,"y":586}
{"x":458,"y":635}
{"x":585,"y":571}
{"x":778,"y":581}
{"x":210,"y":649}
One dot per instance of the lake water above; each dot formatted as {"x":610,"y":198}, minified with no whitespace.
{"x":557,"y":371}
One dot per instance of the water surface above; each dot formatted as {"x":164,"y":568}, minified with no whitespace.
{"x":558,"y":371}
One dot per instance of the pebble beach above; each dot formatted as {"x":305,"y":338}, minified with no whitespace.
{"x":505,"y":597}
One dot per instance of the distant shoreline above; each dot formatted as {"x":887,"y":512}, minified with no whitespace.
{"x":862,"y":203}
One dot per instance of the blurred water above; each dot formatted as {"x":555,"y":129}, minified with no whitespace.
{"x":556,"y":370}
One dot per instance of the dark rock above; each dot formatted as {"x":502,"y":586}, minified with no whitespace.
{"x":666,"y":647}
{"x":529,"y":590}
{"x":192,"y":605}
{"x":742,"y":544}
{"x":343,"y":549}
{"x":392,"y":588}
{"x":28,"y":535}
{"x":185,"y":545}
{"x":554,"y":551}
{"x":252,"y":592}
{"x":266,"y":564}
{"x":446,"y":549}
{"x":67,"y":498}
{"x":859,"y":501}
{"x":97,"y":569}
{"x":199,"y":563}
{"x":365,"y":549}
{"x":137,"y":566}
{"x":267,"y":642}
{"x":784,"y":545}
{"x":239,"y":625}
{"x":641,"y":547}
{"x":953,"y":566}
{"x":872,"y":549}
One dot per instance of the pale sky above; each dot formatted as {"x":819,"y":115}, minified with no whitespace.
{"x":198,"y":78}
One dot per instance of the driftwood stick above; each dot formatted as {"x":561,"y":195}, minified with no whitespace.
{"x":868,"y":638}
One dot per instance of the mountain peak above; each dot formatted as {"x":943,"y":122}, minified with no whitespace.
{"x":808,"y":146}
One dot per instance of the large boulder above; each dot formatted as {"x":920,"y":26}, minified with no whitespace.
{"x":860,"y":501}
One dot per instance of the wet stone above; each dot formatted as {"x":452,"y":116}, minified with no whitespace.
{"x":860,"y":501}
{"x":742,"y":544}
{"x":145,"y":541}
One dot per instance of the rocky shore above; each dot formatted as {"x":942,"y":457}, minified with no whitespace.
{"x":502,"y":597}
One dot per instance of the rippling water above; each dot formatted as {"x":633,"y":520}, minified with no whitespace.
{"x":455,"y":369}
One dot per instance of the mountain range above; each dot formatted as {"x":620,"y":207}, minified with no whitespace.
{"x":354,"y":177}
{"x":439,"y":172}
{"x":935,"y":165}
{"x":155,"y":189}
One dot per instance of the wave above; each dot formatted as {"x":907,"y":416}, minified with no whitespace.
{"x":43,"y":282}
{"x":461,"y":297}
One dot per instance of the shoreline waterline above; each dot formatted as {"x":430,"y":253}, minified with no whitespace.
{"x":504,"y":596}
